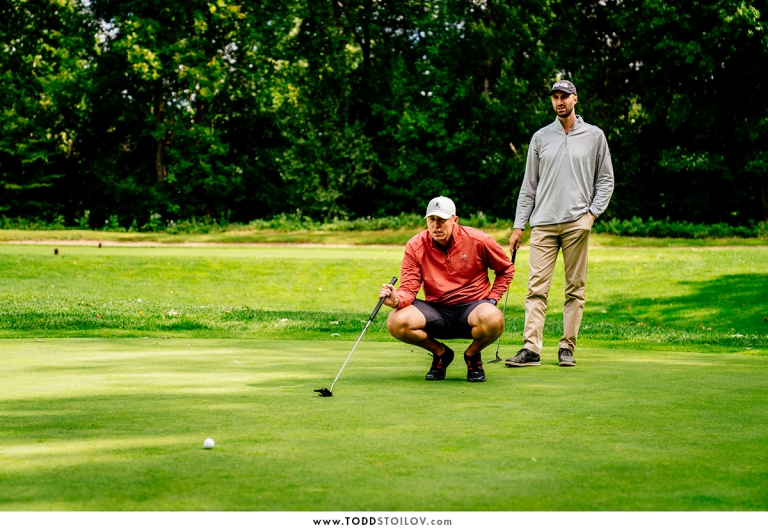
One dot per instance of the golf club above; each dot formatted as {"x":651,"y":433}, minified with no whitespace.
{"x":503,"y":311}
{"x":328,"y":392}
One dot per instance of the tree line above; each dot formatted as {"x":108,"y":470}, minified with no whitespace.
{"x":134,"y":111}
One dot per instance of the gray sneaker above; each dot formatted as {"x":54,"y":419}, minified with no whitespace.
{"x":565,"y":356}
{"x":524,"y":357}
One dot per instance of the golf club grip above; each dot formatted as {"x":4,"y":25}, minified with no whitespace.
{"x":381,"y":300}
{"x":514,"y":254}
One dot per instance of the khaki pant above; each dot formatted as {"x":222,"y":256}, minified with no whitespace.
{"x":546,"y":241}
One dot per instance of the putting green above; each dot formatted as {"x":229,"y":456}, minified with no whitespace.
{"x":118,"y":424}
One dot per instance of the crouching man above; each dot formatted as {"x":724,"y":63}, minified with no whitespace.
{"x":451,"y":262}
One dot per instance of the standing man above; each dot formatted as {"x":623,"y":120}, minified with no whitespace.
{"x":568,"y":183}
{"x":451,"y":262}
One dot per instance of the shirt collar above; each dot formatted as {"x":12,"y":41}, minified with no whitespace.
{"x":578,"y":123}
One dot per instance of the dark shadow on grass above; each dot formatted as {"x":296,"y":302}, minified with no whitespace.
{"x":737,"y":303}
{"x":24,"y":313}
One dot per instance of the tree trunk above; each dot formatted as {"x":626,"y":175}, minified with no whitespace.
{"x":159,"y":110}
{"x":159,"y":165}
{"x":487,"y":95}
{"x":363,"y":110}
{"x":488,"y":80}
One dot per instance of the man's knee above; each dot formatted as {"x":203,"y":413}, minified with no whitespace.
{"x":400,"y":322}
{"x":495,"y":322}
{"x":394,"y":323}
{"x":576,"y":288}
{"x":539,"y":286}
{"x":487,"y":320}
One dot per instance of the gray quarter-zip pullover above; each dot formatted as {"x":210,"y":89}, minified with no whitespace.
{"x":565,"y":175}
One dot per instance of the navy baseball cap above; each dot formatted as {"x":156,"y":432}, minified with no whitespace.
{"x":563,"y":86}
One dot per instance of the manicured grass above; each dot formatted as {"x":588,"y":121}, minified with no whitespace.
{"x":118,"y":424}
{"x":370,"y":237}
{"x":651,"y":298}
{"x":398,"y":236}
{"x":665,"y":409}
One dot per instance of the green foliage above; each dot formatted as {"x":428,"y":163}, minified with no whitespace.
{"x":289,"y":223}
{"x":46,"y":52}
{"x":636,"y":227}
{"x":298,"y":222}
{"x":357,"y":109}
{"x":663,"y":80}
{"x":187,"y":125}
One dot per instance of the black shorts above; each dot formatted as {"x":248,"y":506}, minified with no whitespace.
{"x":447,"y":321}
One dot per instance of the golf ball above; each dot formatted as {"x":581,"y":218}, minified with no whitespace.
{"x":209,"y":443}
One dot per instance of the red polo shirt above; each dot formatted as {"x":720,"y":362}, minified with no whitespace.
{"x":457,"y":275}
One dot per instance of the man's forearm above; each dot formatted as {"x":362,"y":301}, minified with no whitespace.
{"x":526,"y":200}
{"x":410,"y":281}
{"x":604,"y":182}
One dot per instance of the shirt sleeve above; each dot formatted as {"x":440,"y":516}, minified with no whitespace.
{"x":527,"y":198}
{"x":603,"y":177}
{"x":498,"y":261}
{"x":411,"y":278}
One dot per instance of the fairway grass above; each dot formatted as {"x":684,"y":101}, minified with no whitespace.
{"x":119,"y":362}
{"x":118,"y":424}
{"x":398,"y":237}
{"x":680,"y":298}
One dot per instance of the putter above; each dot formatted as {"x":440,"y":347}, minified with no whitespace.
{"x":328,"y":392}
{"x":498,"y":359}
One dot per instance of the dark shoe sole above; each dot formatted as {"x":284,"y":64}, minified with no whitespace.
{"x":434,"y":377}
{"x":476,"y":380}
{"x":522,"y":365}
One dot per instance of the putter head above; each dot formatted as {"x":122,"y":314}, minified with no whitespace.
{"x":324,"y":392}
{"x":496,"y":360}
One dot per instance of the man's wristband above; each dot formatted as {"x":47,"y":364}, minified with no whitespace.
{"x":493,"y":301}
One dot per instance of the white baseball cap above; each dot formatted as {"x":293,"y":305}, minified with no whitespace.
{"x":442,"y":207}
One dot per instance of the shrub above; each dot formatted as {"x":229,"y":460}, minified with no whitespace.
{"x":636,"y":227}
{"x":294,"y":222}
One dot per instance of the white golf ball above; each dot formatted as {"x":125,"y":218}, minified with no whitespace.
{"x":209,"y":443}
